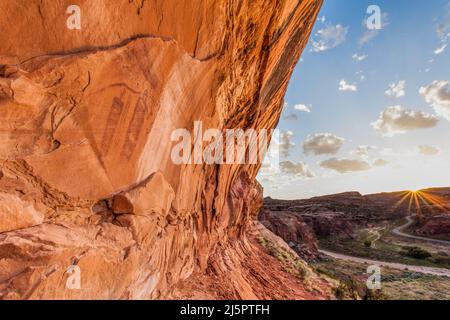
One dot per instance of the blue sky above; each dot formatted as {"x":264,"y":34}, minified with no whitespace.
{"x":409,"y":148}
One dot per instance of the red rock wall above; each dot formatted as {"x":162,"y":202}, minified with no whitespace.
{"x":85,"y":123}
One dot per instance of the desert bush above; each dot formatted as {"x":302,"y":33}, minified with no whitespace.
{"x":374,"y":294}
{"x":347,"y":290}
{"x":417,"y":253}
{"x":442,"y":260}
{"x":340,"y":291}
{"x":289,"y":261}
{"x":325,"y":272}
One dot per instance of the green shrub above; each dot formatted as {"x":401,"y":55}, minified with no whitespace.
{"x":417,"y":253}
{"x":346,"y":290}
{"x":340,"y":291}
{"x":442,"y":260}
{"x":374,"y":294}
{"x":290,"y":263}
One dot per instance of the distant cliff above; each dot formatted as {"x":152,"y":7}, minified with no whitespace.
{"x":300,"y":222}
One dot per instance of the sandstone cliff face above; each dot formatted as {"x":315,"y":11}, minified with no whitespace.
{"x":291,"y":227}
{"x":433,"y":215}
{"x":86,"y":118}
{"x":434,"y":226}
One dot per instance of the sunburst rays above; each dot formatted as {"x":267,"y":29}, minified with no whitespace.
{"x":420,"y":200}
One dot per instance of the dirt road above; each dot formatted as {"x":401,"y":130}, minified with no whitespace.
{"x":399,"y":266}
{"x":399,"y":231}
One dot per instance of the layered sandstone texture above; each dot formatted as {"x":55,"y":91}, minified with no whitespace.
{"x":86,"y":118}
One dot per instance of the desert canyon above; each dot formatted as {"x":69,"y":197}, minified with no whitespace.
{"x":88,"y":182}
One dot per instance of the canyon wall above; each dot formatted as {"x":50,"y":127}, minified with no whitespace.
{"x":87,"y":182}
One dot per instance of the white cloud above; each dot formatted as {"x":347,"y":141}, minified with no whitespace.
{"x":344,"y":86}
{"x":290,"y":116}
{"x":297,"y":169}
{"x":397,"y":119}
{"x":438,"y":96}
{"x":345,"y":165}
{"x":359,"y":57}
{"x":329,"y":37}
{"x":286,"y":143}
{"x":440,"y":49}
{"x":363,"y":151}
{"x":302,"y":107}
{"x":361,"y":75}
{"x":380,"y":163}
{"x":396,"y":90}
{"x":429,"y":150}
{"x":443,"y":28}
{"x":443,"y":31}
{"x":323,"y":143}
{"x":370,"y":34}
